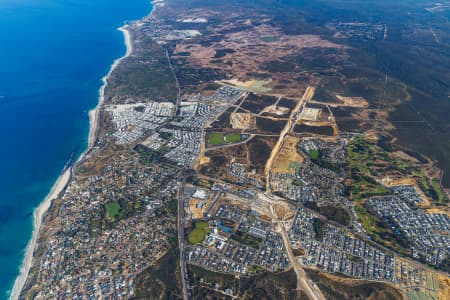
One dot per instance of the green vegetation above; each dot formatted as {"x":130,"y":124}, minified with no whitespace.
{"x":314,"y":154}
{"x":355,"y":259}
{"x":365,"y":187}
{"x":233,"y":138}
{"x":152,"y":80}
{"x":82,"y":170}
{"x":216,"y":138}
{"x":172,"y":206}
{"x":316,"y":157}
{"x":165,"y":135}
{"x":423,"y":181}
{"x":319,"y":228}
{"x":361,"y":157}
{"x":367,"y":160}
{"x":112,"y":209}
{"x":331,"y":212}
{"x":379,"y":232}
{"x":432,"y":188}
{"x":149,"y":156}
{"x":254,"y":269}
{"x":161,"y":280}
{"x":198,"y":234}
{"x":368,"y":221}
{"x":296,"y":182}
{"x":437,"y":191}
{"x":268,"y":285}
{"x":402,"y":165}
{"x":247,"y":239}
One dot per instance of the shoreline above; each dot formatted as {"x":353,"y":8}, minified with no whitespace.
{"x":94,"y":113}
{"x":38,"y":215}
{"x":65,"y":176}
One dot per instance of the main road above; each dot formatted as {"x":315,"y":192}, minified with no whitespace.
{"x":307,"y":96}
{"x":303,"y":283}
{"x":181,"y":241}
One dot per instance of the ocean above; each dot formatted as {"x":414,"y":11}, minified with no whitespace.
{"x":53,"y":55}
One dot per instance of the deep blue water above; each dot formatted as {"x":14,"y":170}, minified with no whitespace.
{"x":53,"y":54}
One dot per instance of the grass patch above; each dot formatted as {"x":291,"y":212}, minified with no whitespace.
{"x":254,"y":269}
{"x":198,"y":234}
{"x":233,"y":138}
{"x":363,"y":157}
{"x":367,"y":220}
{"x":112,"y":209}
{"x":432,"y":188}
{"x":216,"y":138}
{"x":437,"y":191}
{"x":314,"y":154}
{"x":367,"y":160}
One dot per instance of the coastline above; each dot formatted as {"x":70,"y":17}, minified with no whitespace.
{"x":65,"y":177}
{"x":38,"y":215}
{"x":94,"y":113}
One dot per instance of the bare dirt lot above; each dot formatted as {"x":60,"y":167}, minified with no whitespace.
{"x":288,"y":158}
{"x":242,"y":121}
{"x":250,"y":55}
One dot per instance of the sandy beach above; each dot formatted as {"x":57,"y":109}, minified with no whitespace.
{"x":64,"y":179}
{"x":39,"y":213}
{"x":94,"y":113}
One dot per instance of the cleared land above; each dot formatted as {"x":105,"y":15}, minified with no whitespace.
{"x":197,"y":208}
{"x":289,"y":159}
{"x":259,"y":86}
{"x":242,"y":121}
{"x":310,"y":114}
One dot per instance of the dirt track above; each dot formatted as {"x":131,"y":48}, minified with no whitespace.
{"x":307,"y":96}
